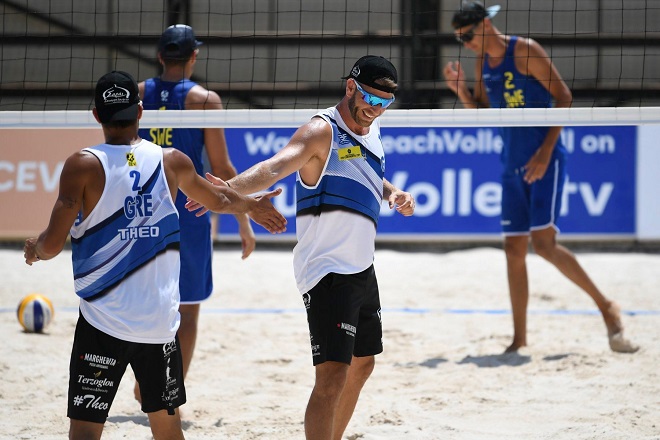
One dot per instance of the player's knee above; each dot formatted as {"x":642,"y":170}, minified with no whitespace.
{"x":515,"y":251}
{"x":363,"y":367}
{"x":544,"y":248}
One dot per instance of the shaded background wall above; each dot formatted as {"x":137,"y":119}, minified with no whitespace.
{"x":292,"y":53}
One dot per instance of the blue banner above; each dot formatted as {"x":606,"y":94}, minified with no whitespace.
{"x":454,"y":174}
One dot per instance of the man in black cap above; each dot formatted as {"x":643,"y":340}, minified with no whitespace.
{"x":116,"y":200}
{"x":341,"y":184}
{"x":514,"y":72}
{"x":178,"y":48}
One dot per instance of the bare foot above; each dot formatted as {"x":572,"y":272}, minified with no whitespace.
{"x":618,"y":342}
{"x":136,"y":392}
{"x":515,"y":346}
{"x":612,"y":317}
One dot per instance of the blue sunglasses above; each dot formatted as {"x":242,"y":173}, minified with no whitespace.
{"x":374,"y":100}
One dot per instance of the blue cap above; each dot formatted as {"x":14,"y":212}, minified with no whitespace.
{"x":178,"y":42}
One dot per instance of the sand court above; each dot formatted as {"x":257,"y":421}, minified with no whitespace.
{"x":442,"y":375}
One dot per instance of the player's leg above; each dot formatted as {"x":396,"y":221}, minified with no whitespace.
{"x":188,"y":333}
{"x":333,"y":314}
{"x":515,"y":227}
{"x":358,"y":373}
{"x":80,"y":429}
{"x":165,"y":426}
{"x":158,"y":369}
{"x":187,"y":336}
{"x":545,"y":196}
{"x":546,"y":246}
{"x":515,"y":248}
{"x":368,"y":343}
{"x":195,"y":284}
{"x":324,"y":400}
{"x":98,"y":362}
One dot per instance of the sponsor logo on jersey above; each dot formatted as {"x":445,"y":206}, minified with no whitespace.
{"x":349,"y":153}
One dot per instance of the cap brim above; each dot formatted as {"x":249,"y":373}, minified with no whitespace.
{"x":492,"y":11}
{"x":178,"y":54}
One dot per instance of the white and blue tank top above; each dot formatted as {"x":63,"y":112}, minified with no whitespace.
{"x":336,"y":217}
{"x":125,"y":253}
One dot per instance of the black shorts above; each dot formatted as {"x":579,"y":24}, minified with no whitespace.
{"x":343,"y":313}
{"x":98,"y":362}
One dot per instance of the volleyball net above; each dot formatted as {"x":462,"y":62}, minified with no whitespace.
{"x":291,"y":54}
{"x":275,"y":62}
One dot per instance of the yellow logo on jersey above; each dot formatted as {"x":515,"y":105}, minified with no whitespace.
{"x":130,"y":158}
{"x":349,"y":153}
{"x":516,"y":98}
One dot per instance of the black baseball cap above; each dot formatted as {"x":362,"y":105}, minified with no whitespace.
{"x":473,"y":13}
{"x":117,"y":97}
{"x":370,"y":68}
{"x":178,"y":42}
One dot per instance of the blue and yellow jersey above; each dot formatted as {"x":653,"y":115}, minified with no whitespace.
{"x":164,"y":95}
{"x":509,"y":88}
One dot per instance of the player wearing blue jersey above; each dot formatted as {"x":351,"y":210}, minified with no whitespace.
{"x":515,"y":72}
{"x":340,"y":165}
{"x":173,"y":90}
{"x":116,"y":200}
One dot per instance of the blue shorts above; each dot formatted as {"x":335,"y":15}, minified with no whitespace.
{"x":528,"y":207}
{"x":196,"y":281}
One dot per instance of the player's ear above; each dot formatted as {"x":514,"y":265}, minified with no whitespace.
{"x":140,"y":109}
{"x":96,"y":115}
{"x":350,"y":87}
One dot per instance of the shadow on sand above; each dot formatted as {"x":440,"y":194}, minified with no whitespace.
{"x":497,"y":360}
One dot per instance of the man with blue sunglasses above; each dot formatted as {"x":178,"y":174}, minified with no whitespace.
{"x":340,"y":185}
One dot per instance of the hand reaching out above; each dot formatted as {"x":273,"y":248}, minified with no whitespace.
{"x":404,"y":202}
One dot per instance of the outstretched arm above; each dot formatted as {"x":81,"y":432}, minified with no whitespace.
{"x":306,"y":152}
{"x":220,"y":198}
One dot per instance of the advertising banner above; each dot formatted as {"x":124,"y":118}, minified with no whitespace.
{"x":30,"y":165}
{"x":454,"y":173}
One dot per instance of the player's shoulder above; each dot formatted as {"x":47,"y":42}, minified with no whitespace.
{"x":81,"y":163}
{"x":199,"y":98}
{"x":528,"y":47}
{"x":141,"y":88}
{"x":316,"y":133}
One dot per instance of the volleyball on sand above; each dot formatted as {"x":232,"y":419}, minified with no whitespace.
{"x":35,"y":312}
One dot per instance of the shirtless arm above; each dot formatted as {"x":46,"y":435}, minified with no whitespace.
{"x":218,"y":154}
{"x":455,"y":79}
{"x":181,"y":173}
{"x":307,"y":152}
{"x":532,"y":60}
{"x":78,"y":183}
